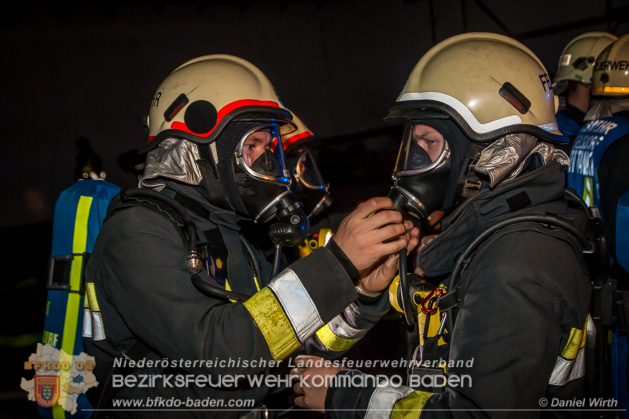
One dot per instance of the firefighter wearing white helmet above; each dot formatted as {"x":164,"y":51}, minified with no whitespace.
{"x":502,"y":323}
{"x":574,"y":79}
{"x":308,"y":184}
{"x":214,"y":167}
{"x":600,"y":175}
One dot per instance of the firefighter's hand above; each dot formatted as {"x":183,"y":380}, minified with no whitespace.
{"x":312,"y":378}
{"x":382,"y":274}
{"x":371,"y":232}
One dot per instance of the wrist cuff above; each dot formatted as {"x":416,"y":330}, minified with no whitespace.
{"x":343,"y":259}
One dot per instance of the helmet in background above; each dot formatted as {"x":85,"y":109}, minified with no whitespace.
{"x":577,"y":59}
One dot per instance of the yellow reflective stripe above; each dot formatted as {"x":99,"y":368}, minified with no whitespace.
{"x":79,"y":241}
{"x":78,"y":247}
{"x":610,"y":89}
{"x":410,"y":406}
{"x":229,"y":288}
{"x":576,"y":341}
{"x":333,"y":342}
{"x":73,"y":305}
{"x":57,"y":411}
{"x":90,"y":297}
{"x":68,"y":341}
{"x":20,"y":341}
{"x":588,"y":191}
{"x":273,"y":323}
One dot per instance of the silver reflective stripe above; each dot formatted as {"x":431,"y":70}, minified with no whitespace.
{"x":87,"y":323}
{"x":384,"y":398}
{"x":99,"y":329}
{"x":342,"y":329}
{"x":352,"y":313}
{"x":568,"y":370}
{"x":296,"y":302}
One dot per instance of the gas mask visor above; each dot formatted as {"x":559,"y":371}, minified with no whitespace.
{"x":310,"y":187}
{"x":263,"y":187}
{"x":421,"y":171}
{"x":260,"y":151}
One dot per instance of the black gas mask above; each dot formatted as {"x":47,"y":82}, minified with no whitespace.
{"x":252,"y":179}
{"x":431,"y":169}
{"x":421,"y":173}
{"x":309,"y":186}
{"x":263,"y":180}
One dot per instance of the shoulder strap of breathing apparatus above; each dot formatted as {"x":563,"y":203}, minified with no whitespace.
{"x":444,"y":301}
{"x":175,"y":210}
{"x":592,"y":244}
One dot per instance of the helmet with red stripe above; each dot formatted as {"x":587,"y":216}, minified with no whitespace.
{"x":308,"y":184}
{"x":200,"y":97}
{"x":296,"y":139}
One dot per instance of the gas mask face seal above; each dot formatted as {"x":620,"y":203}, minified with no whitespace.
{"x":421,"y":171}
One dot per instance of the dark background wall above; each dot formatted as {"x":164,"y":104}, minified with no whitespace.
{"x":91,"y":70}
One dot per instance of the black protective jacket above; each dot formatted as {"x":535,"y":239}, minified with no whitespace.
{"x":144,"y":294}
{"x":519,"y":334}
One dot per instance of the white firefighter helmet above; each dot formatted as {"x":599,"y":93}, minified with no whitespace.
{"x":577,"y":59}
{"x":611,"y":72}
{"x":489,"y":84}
{"x":295,"y":138}
{"x":200,"y":97}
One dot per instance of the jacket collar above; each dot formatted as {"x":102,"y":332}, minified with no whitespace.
{"x":538,"y":191}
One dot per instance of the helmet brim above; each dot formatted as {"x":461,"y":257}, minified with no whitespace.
{"x":417,"y":110}
{"x":253,"y":113}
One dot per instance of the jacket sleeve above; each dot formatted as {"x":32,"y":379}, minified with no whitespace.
{"x":512,"y":340}
{"x":139,"y":270}
{"x":342,"y":332}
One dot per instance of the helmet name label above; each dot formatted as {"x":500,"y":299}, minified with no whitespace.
{"x":564,"y":60}
{"x":612,"y":65}
{"x":545,"y":82}
{"x":155,"y":101}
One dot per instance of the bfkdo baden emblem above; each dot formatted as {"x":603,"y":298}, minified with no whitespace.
{"x":47,"y":389}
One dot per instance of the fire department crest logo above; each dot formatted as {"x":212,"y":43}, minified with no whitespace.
{"x":47,"y":389}
{"x":59,"y":379}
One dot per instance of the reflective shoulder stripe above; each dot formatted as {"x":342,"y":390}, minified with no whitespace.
{"x":90,"y":294}
{"x":576,"y":341}
{"x":570,"y":364}
{"x":384,"y":398}
{"x":273,"y":323}
{"x":297,"y":304}
{"x":411,"y":406}
{"x":568,"y":370}
{"x":92,"y":319}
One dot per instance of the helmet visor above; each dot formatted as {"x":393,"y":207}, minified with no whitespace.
{"x":261,"y":154}
{"x":307,"y":172}
{"x":423,"y":148}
